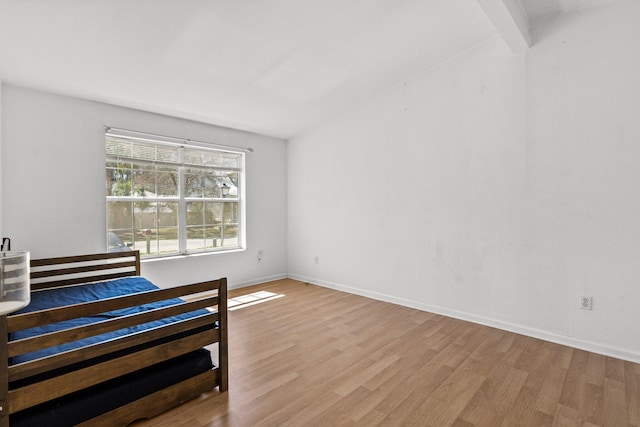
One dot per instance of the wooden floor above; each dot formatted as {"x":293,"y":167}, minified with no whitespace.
{"x":315,"y":356}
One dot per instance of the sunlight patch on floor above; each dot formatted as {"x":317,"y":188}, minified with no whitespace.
{"x":243,"y":301}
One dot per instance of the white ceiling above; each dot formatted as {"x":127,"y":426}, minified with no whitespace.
{"x":275,"y":67}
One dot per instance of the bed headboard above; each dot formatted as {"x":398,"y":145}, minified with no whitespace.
{"x":71,"y":270}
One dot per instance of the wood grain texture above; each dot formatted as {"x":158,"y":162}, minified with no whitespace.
{"x":79,"y":269}
{"x":4,"y":375}
{"x":316,"y":356}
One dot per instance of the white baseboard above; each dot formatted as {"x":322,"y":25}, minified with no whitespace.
{"x":244,"y":284}
{"x":618,"y":353}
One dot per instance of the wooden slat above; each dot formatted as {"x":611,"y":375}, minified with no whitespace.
{"x":78,"y":280}
{"x":158,"y":402}
{"x":30,"y":395}
{"x":37,"y":366}
{"x":17,"y":322}
{"x":82,"y":258}
{"x":137,"y":263}
{"x":223,"y":345}
{"x":81,"y":269}
{"x":51,"y":339}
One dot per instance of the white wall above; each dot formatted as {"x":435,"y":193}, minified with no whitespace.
{"x":53,"y":185}
{"x":494,"y":188}
{"x":1,"y":203}
{"x":583,"y":175}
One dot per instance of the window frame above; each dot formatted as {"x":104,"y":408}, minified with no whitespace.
{"x":182,"y":198}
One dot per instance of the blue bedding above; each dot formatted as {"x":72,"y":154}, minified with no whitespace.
{"x":92,"y":292}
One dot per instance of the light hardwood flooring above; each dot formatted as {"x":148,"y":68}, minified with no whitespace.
{"x":316,"y":356}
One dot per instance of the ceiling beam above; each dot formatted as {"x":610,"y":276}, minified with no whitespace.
{"x":511,"y":21}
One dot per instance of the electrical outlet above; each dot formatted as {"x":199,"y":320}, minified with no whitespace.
{"x":259,"y":256}
{"x":586,"y":303}
{"x":317,"y":260}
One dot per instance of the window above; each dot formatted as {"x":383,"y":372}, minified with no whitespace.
{"x":165,"y":198}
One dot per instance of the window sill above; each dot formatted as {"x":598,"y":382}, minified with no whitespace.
{"x":183,"y":256}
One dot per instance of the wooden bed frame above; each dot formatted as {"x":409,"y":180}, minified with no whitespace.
{"x":67,"y":271}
